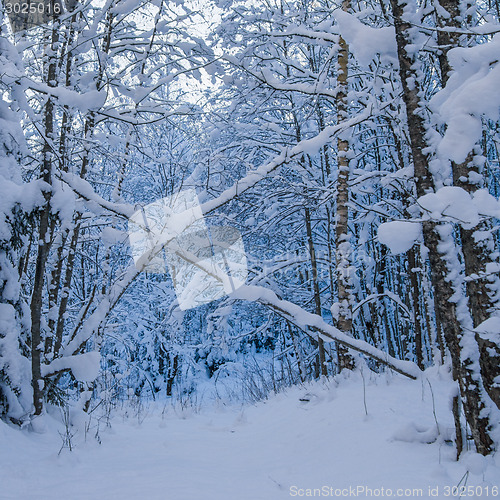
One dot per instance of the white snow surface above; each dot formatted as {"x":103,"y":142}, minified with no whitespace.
{"x":470,"y":94}
{"x":454,"y":204}
{"x":366,"y":42}
{"x":399,"y":236}
{"x":85,"y":367}
{"x":489,"y":329}
{"x":311,"y":437}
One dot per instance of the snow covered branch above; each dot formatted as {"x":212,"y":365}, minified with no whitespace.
{"x":309,"y":322}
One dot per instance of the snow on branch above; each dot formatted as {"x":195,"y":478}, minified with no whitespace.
{"x":85,"y":190}
{"x":288,"y":154}
{"x":85,"y":367}
{"x":365,"y":41}
{"x":101,"y":312}
{"x":470,"y":94}
{"x":309,"y":322}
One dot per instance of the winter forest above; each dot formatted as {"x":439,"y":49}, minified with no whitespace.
{"x":271,"y":226}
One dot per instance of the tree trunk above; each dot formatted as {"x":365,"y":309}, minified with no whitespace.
{"x":317,"y":298}
{"x":446,"y":306}
{"x":44,"y":242}
{"x":417,"y":313}
{"x":477,"y":254}
{"x":342,"y":237}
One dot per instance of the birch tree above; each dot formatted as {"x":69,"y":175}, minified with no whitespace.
{"x":442,"y":250}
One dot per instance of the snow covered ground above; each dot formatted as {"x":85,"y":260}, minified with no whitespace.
{"x":328,"y":439}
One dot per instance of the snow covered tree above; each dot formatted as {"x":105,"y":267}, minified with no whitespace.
{"x":451,"y":308}
{"x":91,"y":83}
{"x":18,"y":201}
{"x":325,"y":133}
{"x":342,"y":233}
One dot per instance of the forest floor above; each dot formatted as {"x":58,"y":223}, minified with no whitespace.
{"x":336,"y":438}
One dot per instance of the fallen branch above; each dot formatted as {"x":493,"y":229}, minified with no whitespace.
{"x":308,"y":322}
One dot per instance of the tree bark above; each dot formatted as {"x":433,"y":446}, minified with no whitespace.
{"x":446,"y":307}
{"x":317,"y":297}
{"x":477,"y":254}
{"x":44,"y":242}
{"x":342,"y":237}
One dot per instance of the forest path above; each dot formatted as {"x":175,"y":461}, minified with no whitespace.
{"x":264,"y":452}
